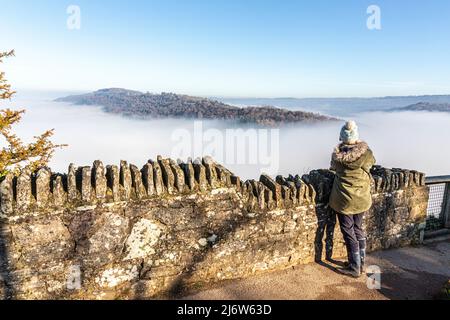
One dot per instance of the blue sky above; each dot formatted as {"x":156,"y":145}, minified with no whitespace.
{"x":230,"y":48}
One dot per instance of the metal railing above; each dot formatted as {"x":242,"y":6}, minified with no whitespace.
{"x":438,"y":212}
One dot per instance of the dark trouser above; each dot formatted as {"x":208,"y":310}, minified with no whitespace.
{"x":354,"y":237}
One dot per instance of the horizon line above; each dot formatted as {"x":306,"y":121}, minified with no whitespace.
{"x":18,"y":90}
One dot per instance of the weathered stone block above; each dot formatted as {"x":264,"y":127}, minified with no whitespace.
{"x":72,"y":183}
{"x":58,"y":192}
{"x":46,"y":243}
{"x":200,"y":175}
{"x":236,"y":182}
{"x":223,"y":175}
{"x":167,"y":175}
{"x":107,"y":236}
{"x":275,"y":188}
{"x":158,"y":178}
{"x":23,"y":190}
{"x":147,"y":179}
{"x":137,"y":183}
{"x":211,"y":173}
{"x":144,"y":235}
{"x":6,"y":194}
{"x":99,"y":178}
{"x":125,"y":180}
{"x":113,"y":182}
{"x":179,"y":180}
{"x":42,"y":187}
{"x":86,"y":184}
{"x":189,"y":174}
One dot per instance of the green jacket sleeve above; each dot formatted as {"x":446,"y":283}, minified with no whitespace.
{"x":369,"y":163}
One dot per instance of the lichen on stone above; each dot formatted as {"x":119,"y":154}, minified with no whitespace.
{"x":142,"y":240}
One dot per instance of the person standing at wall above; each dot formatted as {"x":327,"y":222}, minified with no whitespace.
{"x":351,"y":197}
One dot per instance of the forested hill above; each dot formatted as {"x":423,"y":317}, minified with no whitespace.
{"x":424,"y":106}
{"x":170,"y":105}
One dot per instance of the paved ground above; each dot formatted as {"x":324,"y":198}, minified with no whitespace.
{"x":408,"y":273}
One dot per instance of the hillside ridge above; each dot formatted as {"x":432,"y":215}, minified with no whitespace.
{"x":171,"y":105}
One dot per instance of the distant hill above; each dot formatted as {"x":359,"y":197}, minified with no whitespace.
{"x":425,"y":106}
{"x":341,"y":107}
{"x":170,"y":105}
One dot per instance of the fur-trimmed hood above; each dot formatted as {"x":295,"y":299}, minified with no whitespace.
{"x":345,"y":153}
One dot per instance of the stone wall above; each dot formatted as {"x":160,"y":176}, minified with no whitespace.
{"x":130,"y":233}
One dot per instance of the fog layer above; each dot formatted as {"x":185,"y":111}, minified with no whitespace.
{"x":416,"y":140}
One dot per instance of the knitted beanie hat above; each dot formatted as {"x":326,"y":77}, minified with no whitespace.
{"x":349,"y":133}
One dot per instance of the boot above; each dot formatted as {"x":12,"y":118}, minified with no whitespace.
{"x":362,"y":253}
{"x":354,"y":268}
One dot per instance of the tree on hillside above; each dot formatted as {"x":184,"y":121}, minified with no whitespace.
{"x":14,"y":154}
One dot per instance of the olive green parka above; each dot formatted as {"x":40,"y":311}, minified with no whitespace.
{"x":351,"y":189}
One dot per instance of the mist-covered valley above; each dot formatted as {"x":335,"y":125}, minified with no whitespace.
{"x":412,"y":140}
